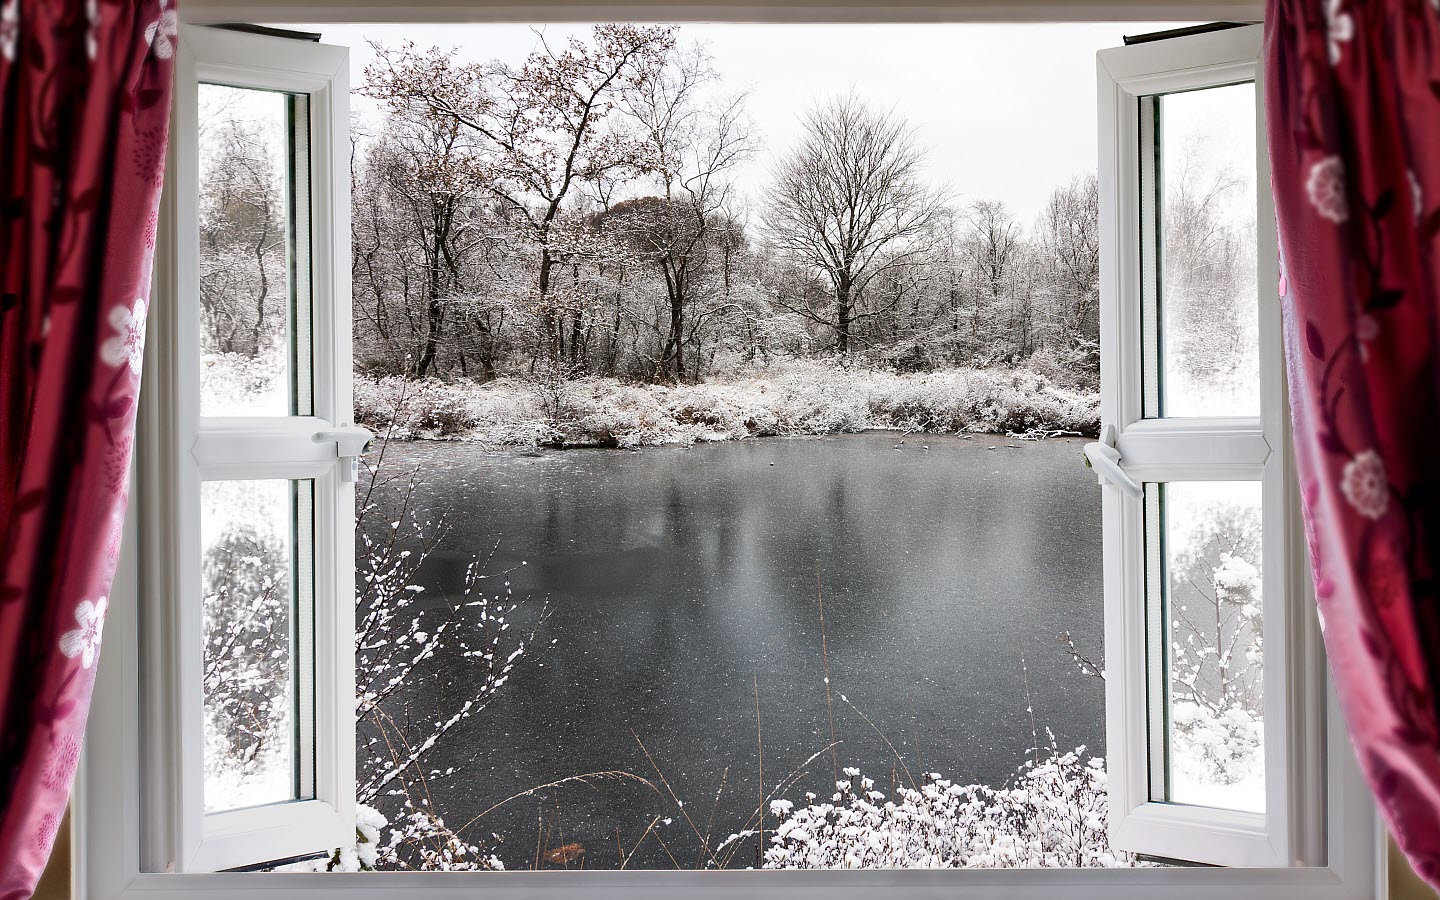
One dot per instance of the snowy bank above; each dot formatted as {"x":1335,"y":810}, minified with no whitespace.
{"x":801,"y":398}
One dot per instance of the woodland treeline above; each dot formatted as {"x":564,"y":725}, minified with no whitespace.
{"x":577,"y":215}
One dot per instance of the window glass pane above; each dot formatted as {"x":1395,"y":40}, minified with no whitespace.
{"x":257,"y":587}
{"x":254,"y":253}
{"x":1205,"y":537}
{"x":1202,"y":310}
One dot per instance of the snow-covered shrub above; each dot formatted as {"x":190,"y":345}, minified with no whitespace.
{"x":377,"y":840}
{"x":410,"y":408}
{"x":240,"y":384}
{"x":608,"y":413}
{"x":818,"y":398}
{"x":423,"y":841}
{"x":550,"y":383}
{"x":504,"y":414}
{"x":793,"y":398}
{"x":982,"y":400}
{"x":712,"y":408}
{"x":1052,"y":815}
{"x":1221,"y":748}
{"x":804,"y":397}
{"x":1075,"y":369}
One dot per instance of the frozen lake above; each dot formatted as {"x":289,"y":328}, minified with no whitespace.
{"x":676,"y":580}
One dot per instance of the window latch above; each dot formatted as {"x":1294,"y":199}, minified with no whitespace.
{"x":1104,"y":458}
{"x":350,"y":441}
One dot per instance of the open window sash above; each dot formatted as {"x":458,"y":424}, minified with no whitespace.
{"x":1143,"y":452}
{"x":308,"y":452}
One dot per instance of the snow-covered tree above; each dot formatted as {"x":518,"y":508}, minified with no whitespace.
{"x":242,"y":236}
{"x":1217,"y":646}
{"x":544,"y":128}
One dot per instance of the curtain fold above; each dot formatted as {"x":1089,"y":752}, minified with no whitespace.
{"x":84,"y":113}
{"x":1353,"y":116}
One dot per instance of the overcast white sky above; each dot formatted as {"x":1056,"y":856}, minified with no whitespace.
{"x":1006,"y":112}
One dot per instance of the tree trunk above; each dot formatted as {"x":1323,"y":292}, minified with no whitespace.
{"x":259,"y":329}
{"x":672,"y":358}
{"x":434,"y":305}
{"x":613,"y":353}
{"x":672,"y":362}
{"x":553,"y":335}
{"x":487,"y":349}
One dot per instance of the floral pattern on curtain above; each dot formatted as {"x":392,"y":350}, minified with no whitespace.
{"x":1353,"y":115}
{"x":84,"y":110}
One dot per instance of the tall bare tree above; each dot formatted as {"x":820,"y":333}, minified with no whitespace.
{"x":993,"y":247}
{"x":242,"y":235}
{"x":1068,"y":235}
{"x":1209,"y":271}
{"x":420,"y":227}
{"x":546,"y":126}
{"x":691,"y":144}
{"x":850,"y":202}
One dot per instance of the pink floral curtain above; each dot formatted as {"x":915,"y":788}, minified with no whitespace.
{"x":1353,"y":114}
{"x":84,"y":110}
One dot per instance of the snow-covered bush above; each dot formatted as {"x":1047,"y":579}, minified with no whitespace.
{"x":981,"y":400}
{"x":609,"y":413}
{"x":711,"y":407}
{"x":1053,"y":814}
{"x":504,"y":415}
{"x":793,"y":398}
{"x":236,"y":384}
{"x":816,"y":398}
{"x":1076,"y":369}
{"x":412,"y":408}
{"x":1222,"y":749}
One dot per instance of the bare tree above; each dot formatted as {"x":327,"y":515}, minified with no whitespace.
{"x":691,"y":145}
{"x":545,"y":126}
{"x":242,"y":235}
{"x":1068,"y":237}
{"x":1209,"y":272}
{"x":849,"y":202}
{"x":421,"y":228}
{"x":993,"y":247}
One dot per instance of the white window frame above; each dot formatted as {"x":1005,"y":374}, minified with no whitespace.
{"x":122,"y":816}
{"x":1159,"y":450}
{"x":180,"y":450}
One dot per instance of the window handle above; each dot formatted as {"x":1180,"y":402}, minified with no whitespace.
{"x":350,"y":441}
{"x":1102,"y":456}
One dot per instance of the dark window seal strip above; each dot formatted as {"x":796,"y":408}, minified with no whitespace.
{"x":1182,"y":32}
